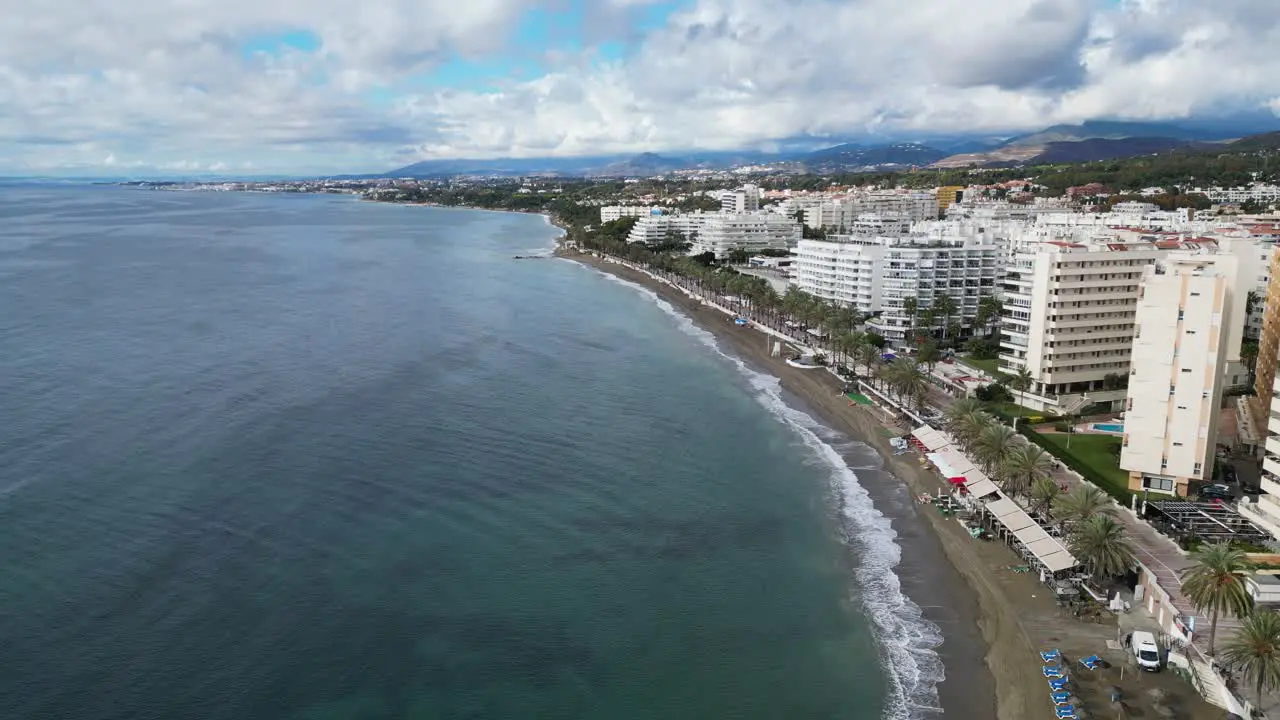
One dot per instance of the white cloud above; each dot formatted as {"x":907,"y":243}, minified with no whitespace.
{"x":155,"y":84}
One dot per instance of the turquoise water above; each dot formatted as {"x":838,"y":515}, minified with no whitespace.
{"x":304,"y":457}
{"x":1109,"y":427}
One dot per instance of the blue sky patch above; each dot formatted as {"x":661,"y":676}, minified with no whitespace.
{"x":280,"y":42}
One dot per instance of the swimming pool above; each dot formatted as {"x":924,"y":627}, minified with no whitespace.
{"x":1116,"y":428}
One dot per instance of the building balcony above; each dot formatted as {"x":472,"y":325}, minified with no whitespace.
{"x":1264,"y":513}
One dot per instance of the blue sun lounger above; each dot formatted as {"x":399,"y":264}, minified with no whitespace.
{"x":1050,"y":655}
{"x":1058,"y":684}
{"x":1052,"y":671}
{"x":1060,"y":697}
{"x":1066,"y":711}
{"x":1092,"y":662}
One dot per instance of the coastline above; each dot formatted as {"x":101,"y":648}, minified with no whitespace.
{"x":985,"y":652}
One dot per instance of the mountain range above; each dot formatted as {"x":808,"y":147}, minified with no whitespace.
{"x":1088,"y":141}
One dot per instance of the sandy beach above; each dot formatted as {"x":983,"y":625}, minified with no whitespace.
{"x":993,"y":620}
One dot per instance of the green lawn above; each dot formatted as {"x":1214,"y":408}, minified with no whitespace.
{"x":1101,"y":453}
{"x":1016,"y":410}
{"x":990,"y":367}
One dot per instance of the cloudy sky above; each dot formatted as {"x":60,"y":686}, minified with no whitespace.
{"x":302,"y":86}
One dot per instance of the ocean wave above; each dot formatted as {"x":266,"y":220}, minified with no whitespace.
{"x":907,"y":639}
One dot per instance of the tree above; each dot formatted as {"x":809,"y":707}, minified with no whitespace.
{"x":1044,"y":492}
{"x":1024,"y":466}
{"x":943,"y":306}
{"x":994,"y":446}
{"x":910,"y":308}
{"x":1100,"y":544}
{"x":738,"y":256}
{"x":1249,"y":356}
{"x":988,"y":315}
{"x":1022,"y":381}
{"x":1254,"y":651}
{"x":1215,"y":584}
{"x":1082,"y":502}
{"x":928,"y":354}
{"x":968,"y":429}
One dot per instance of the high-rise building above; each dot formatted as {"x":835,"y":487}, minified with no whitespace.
{"x":743,"y":200}
{"x":1268,"y":345}
{"x":1183,"y":327}
{"x":1069,"y":315}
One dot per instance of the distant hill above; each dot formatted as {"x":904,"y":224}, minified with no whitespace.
{"x":1104,"y":149}
{"x":1255,"y":143}
{"x":852,"y":156}
{"x":1107,"y":130}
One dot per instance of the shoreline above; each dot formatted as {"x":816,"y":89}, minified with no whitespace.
{"x":985,"y":651}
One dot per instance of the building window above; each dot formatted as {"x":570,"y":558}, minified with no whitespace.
{"x":1157,"y":483}
{"x":1196,"y":470}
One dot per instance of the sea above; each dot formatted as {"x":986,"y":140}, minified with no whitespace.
{"x":304,"y":457}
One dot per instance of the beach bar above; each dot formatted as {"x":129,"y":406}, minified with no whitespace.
{"x":1032,"y":540}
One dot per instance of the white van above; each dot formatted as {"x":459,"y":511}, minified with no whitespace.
{"x":1145,"y":650}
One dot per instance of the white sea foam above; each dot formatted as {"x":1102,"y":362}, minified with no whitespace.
{"x":907,"y":639}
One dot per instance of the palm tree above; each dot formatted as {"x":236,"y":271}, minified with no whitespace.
{"x":970,"y":427}
{"x":909,"y":379}
{"x":1255,"y":651}
{"x":994,"y":447}
{"x":1215,"y":584}
{"x":1101,"y":545}
{"x":910,"y":308}
{"x":1022,"y":380}
{"x":1024,"y":466}
{"x":943,"y":306}
{"x":960,"y":408}
{"x":1043,"y":492}
{"x":1081,"y":503}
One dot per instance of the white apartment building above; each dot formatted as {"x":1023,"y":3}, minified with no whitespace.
{"x":654,"y":229}
{"x":723,"y":232}
{"x":609,"y":213}
{"x":1183,"y":323}
{"x":1069,"y":315}
{"x":876,"y":274}
{"x":914,"y":205}
{"x":743,"y":200}
{"x":1265,"y":193}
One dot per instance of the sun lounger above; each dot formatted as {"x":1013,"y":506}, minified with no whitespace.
{"x":1092,"y":662}
{"x":1060,"y":697}
{"x":1066,"y":711}
{"x":1050,"y":655}
{"x":1052,"y":671}
{"x":1058,"y":684}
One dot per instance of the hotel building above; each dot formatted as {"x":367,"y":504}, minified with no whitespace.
{"x":1183,"y":328}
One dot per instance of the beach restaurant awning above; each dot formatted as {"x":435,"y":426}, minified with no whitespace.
{"x":982,"y":488}
{"x":929,"y":439}
{"x":1044,"y":548}
{"x":940,"y":462}
{"x":958,"y":462}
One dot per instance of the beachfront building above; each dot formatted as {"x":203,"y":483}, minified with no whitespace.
{"x":1068,"y":318}
{"x":1265,"y":513}
{"x":1183,"y":322}
{"x":720,"y":233}
{"x":609,"y":213}
{"x":874,"y":275}
{"x":656,"y":229}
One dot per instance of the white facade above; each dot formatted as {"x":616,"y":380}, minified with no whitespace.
{"x":743,"y":200}
{"x":876,"y":275}
{"x":655,"y":229}
{"x":723,"y":232}
{"x":1069,"y":315}
{"x":609,"y":213}
{"x":915,"y":206}
{"x":1183,"y":323}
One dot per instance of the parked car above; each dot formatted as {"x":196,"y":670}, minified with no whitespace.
{"x":1217,"y":492}
{"x":1228,"y":475}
